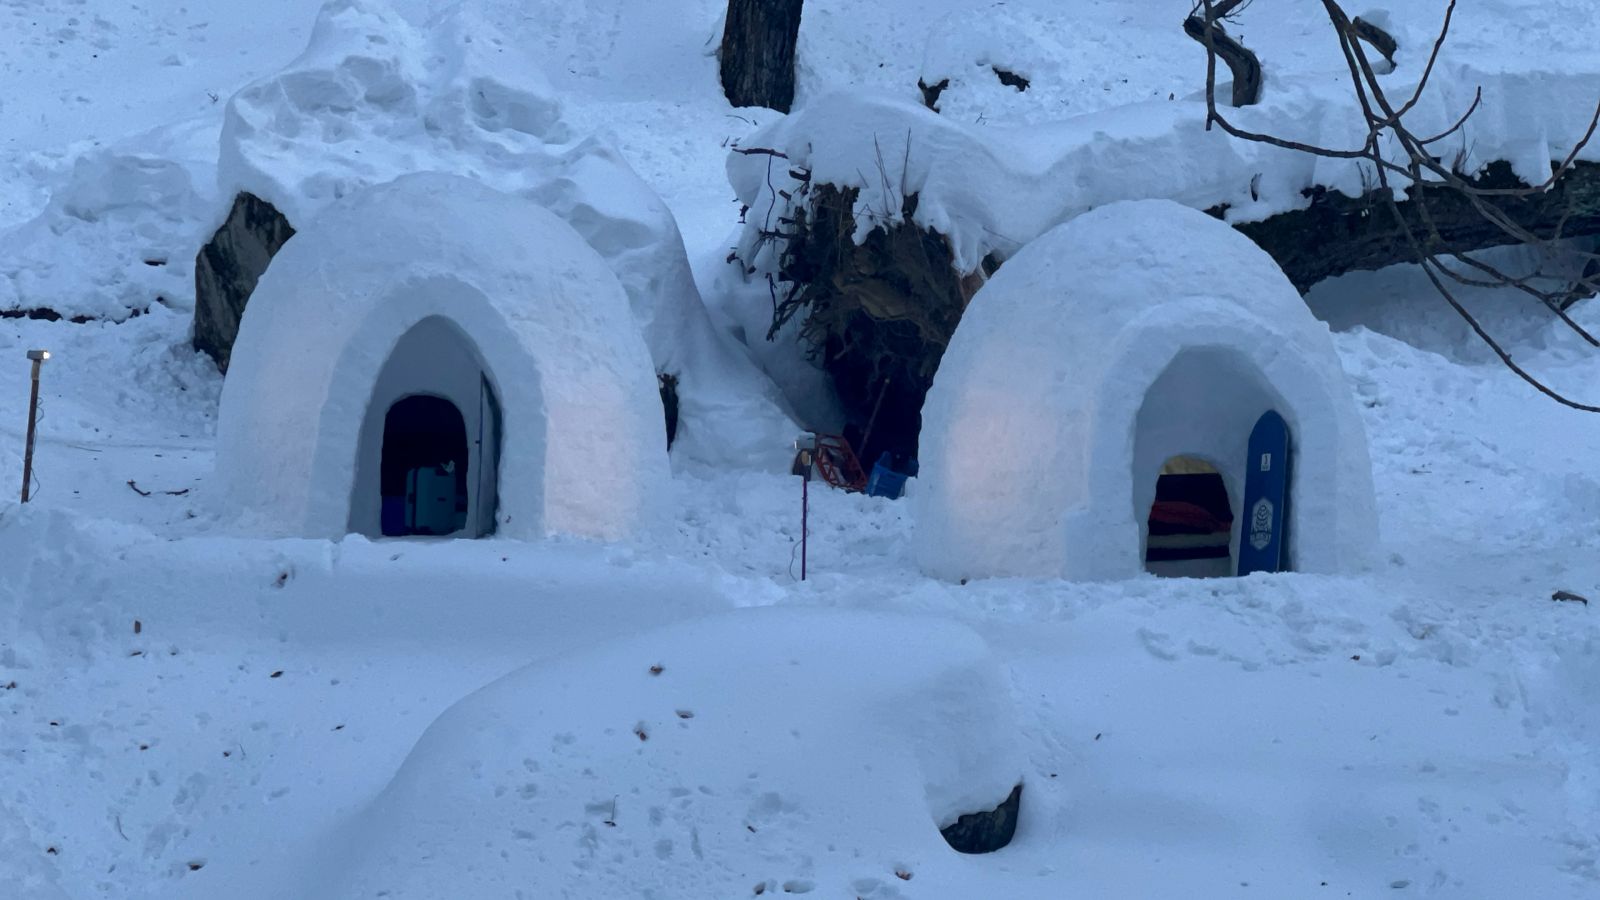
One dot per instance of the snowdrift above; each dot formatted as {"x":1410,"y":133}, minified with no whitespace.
{"x":374,"y":97}
{"x":118,"y":233}
{"x":632,"y":769}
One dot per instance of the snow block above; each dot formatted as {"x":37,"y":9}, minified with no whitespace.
{"x":1131,"y":334}
{"x":472,"y":287}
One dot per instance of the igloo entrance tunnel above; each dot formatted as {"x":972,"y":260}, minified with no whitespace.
{"x":1101,"y":376}
{"x":430,"y":356}
{"x":429,"y":448}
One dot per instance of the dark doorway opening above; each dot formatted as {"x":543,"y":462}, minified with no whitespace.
{"x":987,"y":831}
{"x":882,"y":397}
{"x":489,"y":429}
{"x":423,"y":473}
{"x":1191,"y":522}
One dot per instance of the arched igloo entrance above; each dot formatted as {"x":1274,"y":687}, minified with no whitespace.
{"x":1191,"y":437}
{"x":429,"y":454}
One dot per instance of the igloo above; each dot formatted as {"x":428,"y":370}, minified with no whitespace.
{"x":1134,"y":346}
{"x":379,"y":93}
{"x":431,"y":356}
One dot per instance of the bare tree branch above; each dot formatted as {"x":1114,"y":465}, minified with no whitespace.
{"x":1380,"y":40}
{"x":1208,"y":30}
{"x":1404,"y":167}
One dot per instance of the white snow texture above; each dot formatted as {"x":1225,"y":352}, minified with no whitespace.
{"x":800,"y":742}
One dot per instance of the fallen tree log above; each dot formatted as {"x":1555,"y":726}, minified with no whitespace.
{"x":1336,"y":233}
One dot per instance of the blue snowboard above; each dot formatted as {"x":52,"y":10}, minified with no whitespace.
{"x":1266,"y":497}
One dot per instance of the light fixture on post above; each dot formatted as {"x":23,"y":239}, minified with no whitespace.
{"x":805,"y":456}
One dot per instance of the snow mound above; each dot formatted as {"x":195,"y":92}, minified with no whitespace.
{"x":34,"y":877}
{"x":374,"y":97}
{"x":531,"y":305}
{"x":968,"y":50}
{"x":118,"y":233}
{"x":1130,"y":335}
{"x":633,"y":770}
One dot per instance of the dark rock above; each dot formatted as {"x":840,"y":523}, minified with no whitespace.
{"x":985,"y":832}
{"x":227,"y":269}
{"x":1011,"y":79}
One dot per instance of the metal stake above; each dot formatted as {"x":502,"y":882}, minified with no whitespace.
{"x":805,"y":509}
{"x":38,"y":357}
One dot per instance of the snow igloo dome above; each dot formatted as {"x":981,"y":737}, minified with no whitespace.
{"x":1093,"y":414}
{"x":431,"y":356}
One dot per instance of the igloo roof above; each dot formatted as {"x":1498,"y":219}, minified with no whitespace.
{"x":1128,"y":265}
{"x":1135,"y":332}
{"x":584,"y":444}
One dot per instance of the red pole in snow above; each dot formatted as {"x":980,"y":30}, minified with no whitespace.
{"x":805,"y":508}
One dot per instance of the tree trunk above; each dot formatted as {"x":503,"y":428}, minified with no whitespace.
{"x":758,"y":44}
{"x":1244,"y":65}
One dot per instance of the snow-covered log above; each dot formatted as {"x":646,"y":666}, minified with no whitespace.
{"x":1336,"y":233}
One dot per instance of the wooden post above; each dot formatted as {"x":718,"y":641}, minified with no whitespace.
{"x":38,"y":357}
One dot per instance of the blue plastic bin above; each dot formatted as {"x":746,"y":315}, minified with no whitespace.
{"x":885,"y":481}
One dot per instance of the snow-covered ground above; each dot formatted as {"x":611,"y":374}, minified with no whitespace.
{"x":184,"y":714}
